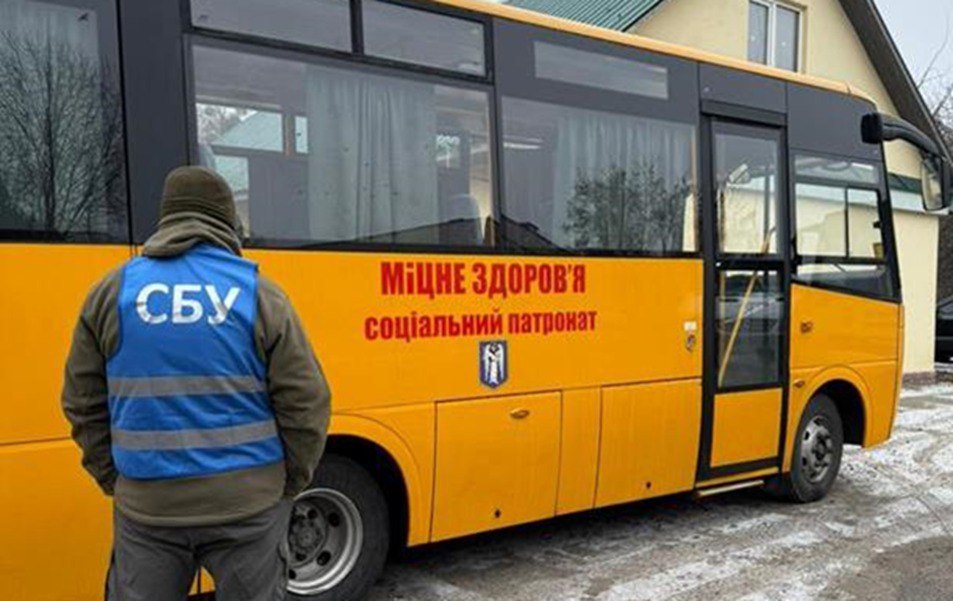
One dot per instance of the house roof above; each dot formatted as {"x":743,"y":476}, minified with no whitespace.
{"x":611,"y":14}
{"x":621,"y":15}
{"x":891,"y":68}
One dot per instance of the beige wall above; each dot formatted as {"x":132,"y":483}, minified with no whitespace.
{"x":831,"y":48}
{"x":917,"y":240}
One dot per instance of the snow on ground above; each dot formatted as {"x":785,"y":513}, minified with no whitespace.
{"x":884,"y":533}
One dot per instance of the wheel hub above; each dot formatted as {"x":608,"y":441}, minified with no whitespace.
{"x":817,"y":450}
{"x":307,"y":533}
{"x":325,"y":536}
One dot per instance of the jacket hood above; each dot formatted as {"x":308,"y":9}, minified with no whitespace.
{"x":179,"y":232}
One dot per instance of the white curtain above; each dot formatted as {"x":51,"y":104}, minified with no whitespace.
{"x":372,"y":167}
{"x":621,"y":182}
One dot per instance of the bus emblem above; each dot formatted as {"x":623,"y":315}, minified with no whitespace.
{"x":493,"y":363}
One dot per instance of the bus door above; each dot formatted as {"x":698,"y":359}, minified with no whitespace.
{"x":746,"y":297}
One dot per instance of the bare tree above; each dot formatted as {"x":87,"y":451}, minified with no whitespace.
{"x":60,"y":139}
{"x":634,"y":208}
{"x":215,"y":120}
{"x":942,"y":108}
{"x":936,"y":85}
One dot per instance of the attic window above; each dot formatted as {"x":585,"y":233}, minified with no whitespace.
{"x":774,"y":34}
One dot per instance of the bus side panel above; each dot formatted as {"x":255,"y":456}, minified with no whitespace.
{"x":406,"y":434}
{"x":628,"y":321}
{"x":833,"y":328}
{"x":497,"y":463}
{"x":612,"y":321}
{"x":837,"y":336}
{"x":649,"y":443}
{"x":898,"y":379}
{"x":54,"y":515}
{"x":44,"y":286}
{"x":799,"y":393}
{"x":881,"y":381}
{"x":579,"y":453}
{"x":56,"y":525}
{"x":746,"y":426}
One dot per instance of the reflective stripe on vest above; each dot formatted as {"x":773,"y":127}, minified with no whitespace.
{"x":187,"y":393}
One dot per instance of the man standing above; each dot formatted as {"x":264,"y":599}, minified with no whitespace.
{"x":198,"y":404}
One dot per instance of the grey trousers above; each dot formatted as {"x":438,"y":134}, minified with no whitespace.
{"x":247,"y":559}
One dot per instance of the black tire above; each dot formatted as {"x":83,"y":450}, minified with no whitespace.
{"x":351,"y":480}
{"x":804,"y":484}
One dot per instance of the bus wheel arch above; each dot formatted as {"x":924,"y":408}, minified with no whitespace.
{"x":344,"y":525}
{"x":849,"y":401}
{"x":385,"y":470}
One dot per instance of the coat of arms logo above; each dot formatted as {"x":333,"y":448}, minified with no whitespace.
{"x":493,"y":363}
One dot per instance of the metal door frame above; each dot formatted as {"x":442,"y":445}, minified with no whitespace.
{"x":718,"y":116}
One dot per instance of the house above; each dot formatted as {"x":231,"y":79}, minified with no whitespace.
{"x":844,"y":40}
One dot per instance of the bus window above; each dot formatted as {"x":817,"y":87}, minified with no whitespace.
{"x":750,"y":307}
{"x":422,"y":37}
{"x":868,"y":280}
{"x":821,"y":220}
{"x":864,"y":234}
{"x":747,"y":173}
{"x":839,"y":236}
{"x":325,"y":23}
{"x":320,"y":154}
{"x":587,"y":180}
{"x":62,"y":174}
{"x":570,"y":65}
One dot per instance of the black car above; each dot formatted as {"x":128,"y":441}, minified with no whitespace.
{"x":944,"y":331}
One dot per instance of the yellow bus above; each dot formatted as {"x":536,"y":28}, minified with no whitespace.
{"x":547,"y":267}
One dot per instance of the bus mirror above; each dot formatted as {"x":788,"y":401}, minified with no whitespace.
{"x":877,"y":128}
{"x":947,"y":176}
{"x":936,"y":174}
{"x":872,"y":128}
{"x":931,"y":183}
{"x":937,"y":183}
{"x":946,"y":179}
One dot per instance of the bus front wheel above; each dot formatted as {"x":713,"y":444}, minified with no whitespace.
{"x":339,"y":534}
{"x":818,"y":448}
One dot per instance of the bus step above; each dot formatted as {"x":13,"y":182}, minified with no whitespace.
{"x":717,"y":490}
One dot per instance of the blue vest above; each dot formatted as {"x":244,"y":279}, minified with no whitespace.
{"x":187,"y":394}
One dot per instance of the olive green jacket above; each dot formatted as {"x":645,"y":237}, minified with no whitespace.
{"x":296,"y":387}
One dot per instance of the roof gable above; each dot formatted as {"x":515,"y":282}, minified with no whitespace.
{"x":611,"y":14}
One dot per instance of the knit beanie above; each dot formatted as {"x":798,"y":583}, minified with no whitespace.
{"x":198,"y":190}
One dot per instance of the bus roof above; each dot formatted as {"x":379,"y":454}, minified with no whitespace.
{"x":636,"y":41}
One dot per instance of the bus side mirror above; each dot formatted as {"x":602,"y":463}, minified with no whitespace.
{"x":933,"y":172}
{"x":872,"y":128}
{"x":936,"y":174}
{"x":946,"y":185}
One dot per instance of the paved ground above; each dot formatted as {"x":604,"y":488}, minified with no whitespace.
{"x":884,"y":533}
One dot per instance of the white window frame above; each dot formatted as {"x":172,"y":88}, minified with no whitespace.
{"x":772,"y":6}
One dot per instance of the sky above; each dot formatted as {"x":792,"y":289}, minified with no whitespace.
{"x":919,"y":28}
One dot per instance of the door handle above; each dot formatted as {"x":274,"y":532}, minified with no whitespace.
{"x":691,"y":336}
{"x":519,"y":413}
{"x":807,"y":327}
{"x":690,"y":341}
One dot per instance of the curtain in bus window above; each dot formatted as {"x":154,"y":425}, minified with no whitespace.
{"x":615,"y":182}
{"x":372,"y":167}
{"x":61,"y":170}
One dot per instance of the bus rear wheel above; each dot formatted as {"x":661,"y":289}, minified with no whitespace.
{"x":818,"y":448}
{"x":339,"y":534}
